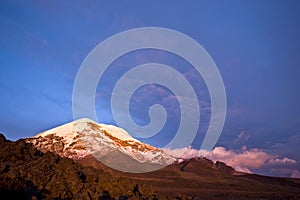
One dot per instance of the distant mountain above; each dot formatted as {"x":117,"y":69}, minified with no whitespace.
{"x":111,"y":145}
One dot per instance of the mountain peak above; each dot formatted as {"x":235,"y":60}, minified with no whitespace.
{"x":110,"y":144}
{"x":73,"y":128}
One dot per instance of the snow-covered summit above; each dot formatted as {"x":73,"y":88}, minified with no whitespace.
{"x":85,"y":137}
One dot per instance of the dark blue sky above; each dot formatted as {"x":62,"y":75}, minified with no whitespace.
{"x":255,"y":45}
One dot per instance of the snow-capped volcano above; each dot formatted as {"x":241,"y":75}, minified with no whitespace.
{"x":110,"y":144}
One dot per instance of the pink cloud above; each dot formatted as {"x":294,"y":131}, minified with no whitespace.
{"x":295,"y":174}
{"x":245,"y":160}
{"x":184,"y":153}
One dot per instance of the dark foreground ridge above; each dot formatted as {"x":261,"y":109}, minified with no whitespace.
{"x":27,"y":173}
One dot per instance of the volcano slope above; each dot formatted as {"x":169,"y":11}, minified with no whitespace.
{"x":26,"y":171}
{"x":200,"y":178}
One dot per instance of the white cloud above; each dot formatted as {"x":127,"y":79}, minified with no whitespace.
{"x":186,"y":152}
{"x":284,"y":160}
{"x":244,"y":160}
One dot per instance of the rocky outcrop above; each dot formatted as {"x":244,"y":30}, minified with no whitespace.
{"x":204,"y":165}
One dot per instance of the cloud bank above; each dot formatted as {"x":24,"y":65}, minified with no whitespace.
{"x":245,"y":160}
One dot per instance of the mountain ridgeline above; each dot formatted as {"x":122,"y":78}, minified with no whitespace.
{"x":86,"y":160}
